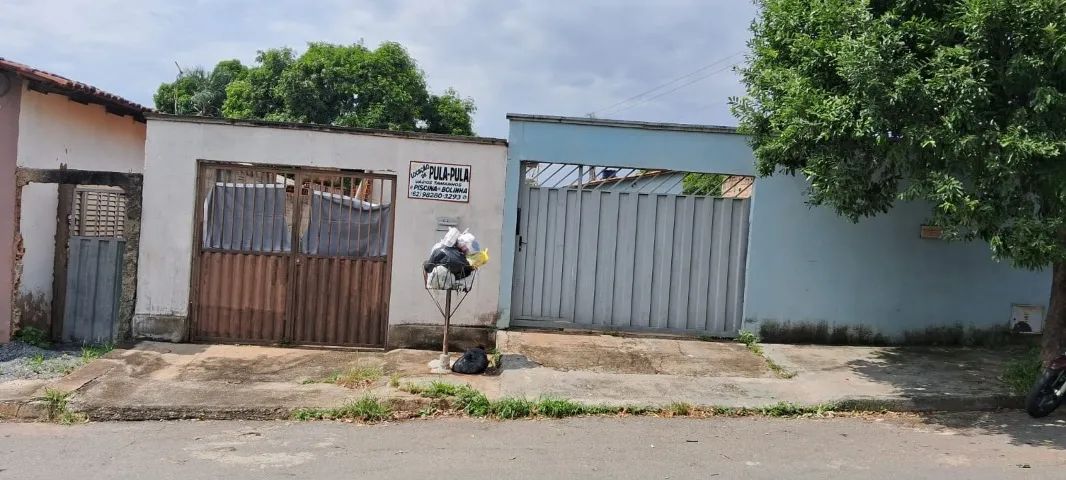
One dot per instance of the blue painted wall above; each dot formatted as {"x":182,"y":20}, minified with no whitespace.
{"x":804,"y":264}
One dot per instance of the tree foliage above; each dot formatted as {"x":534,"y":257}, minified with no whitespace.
{"x":707,"y":184}
{"x":348,"y":85}
{"x":196,"y":92}
{"x":960,"y":103}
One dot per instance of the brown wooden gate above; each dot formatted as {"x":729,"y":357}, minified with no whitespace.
{"x":291,"y":255}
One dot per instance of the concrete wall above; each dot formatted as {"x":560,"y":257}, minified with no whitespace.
{"x":173,"y":147}
{"x":805,"y":265}
{"x":808,"y":265}
{"x":56,"y":131}
{"x":37,"y":225}
{"x":9,"y":131}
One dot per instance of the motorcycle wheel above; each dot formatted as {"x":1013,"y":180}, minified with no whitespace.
{"x":1042,"y":400}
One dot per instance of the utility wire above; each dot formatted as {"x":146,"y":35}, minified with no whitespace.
{"x":670,"y":82}
{"x":679,"y":87}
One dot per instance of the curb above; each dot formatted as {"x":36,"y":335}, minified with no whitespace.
{"x":411,"y":405}
{"x":934,"y":404}
{"x":21,"y":410}
{"x":31,"y":410}
{"x":137,"y":413}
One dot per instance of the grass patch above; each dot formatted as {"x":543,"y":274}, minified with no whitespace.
{"x":679,"y":409}
{"x":92,"y":352}
{"x":465,"y":399}
{"x":553,"y":407}
{"x":472,"y":402}
{"x":368,"y":409}
{"x":435,"y":389}
{"x":751,"y":340}
{"x":359,"y":376}
{"x":511,"y":408}
{"x":1021,"y":372}
{"x":57,"y":408}
{"x":37,"y":363}
{"x":495,"y":356}
{"x":33,"y":336}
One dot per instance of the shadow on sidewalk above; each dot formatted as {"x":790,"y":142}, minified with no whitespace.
{"x":961,"y":373}
{"x":1043,"y":432}
{"x":918,"y":372}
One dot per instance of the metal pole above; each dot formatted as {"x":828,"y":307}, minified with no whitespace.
{"x":447,"y":317}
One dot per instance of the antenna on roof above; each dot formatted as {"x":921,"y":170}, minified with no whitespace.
{"x":180,"y":73}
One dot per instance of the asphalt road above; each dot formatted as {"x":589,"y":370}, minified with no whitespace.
{"x":973,"y":446}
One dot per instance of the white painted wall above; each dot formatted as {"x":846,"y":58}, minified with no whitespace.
{"x":54,"y":130}
{"x":38,"y":229}
{"x":172,"y":150}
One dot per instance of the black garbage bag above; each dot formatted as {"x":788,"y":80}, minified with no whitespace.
{"x":473,"y":362}
{"x":452,"y":258}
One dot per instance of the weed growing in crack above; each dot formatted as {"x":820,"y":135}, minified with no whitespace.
{"x":751,"y":340}
{"x":92,"y":352}
{"x":679,"y":409}
{"x":57,"y":408}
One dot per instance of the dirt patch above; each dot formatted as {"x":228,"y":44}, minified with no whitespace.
{"x":611,"y":354}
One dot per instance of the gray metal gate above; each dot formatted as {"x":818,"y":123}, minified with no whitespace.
{"x":94,"y":284}
{"x":608,"y":248}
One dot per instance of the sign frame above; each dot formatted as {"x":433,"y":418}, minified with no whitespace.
{"x":410,"y":169}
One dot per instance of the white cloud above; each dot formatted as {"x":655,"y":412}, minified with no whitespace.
{"x":561,"y":57}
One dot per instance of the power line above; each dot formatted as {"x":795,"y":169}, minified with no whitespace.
{"x":683,"y":85}
{"x":670,"y":82}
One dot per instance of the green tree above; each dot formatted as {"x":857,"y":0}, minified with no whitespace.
{"x":958,"y":103}
{"x":707,"y":184}
{"x":450,"y":114}
{"x":196,"y":92}
{"x":348,"y":85}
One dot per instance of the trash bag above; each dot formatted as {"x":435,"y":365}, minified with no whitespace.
{"x":450,"y":237}
{"x":468,"y":243}
{"x":452,"y":259}
{"x":439,"y":278}
{"x":473,"y":362}
{"x":477,"y":259}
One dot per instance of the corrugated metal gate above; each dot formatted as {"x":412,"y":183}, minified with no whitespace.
{"x":613,"y":248}
{"x":88,"y":263}
{"x":93,"y":288}
{"x":251,"y":285}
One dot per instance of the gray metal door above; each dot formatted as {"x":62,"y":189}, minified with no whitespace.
{"x":94,"y":284}
{"x":624,"y":254}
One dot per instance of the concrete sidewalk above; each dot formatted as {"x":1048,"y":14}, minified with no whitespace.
{"x":169,"y":381}
{"x":727,"y":374}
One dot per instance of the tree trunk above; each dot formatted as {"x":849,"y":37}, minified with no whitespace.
{"x":1054,"y":341}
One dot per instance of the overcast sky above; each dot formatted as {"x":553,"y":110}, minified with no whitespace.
{"x":554,"y":57}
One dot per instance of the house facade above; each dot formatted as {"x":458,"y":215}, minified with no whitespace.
{"x":262,"y":232}
{"x":58,"y":139}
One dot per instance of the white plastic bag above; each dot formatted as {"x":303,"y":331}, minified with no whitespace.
{"x":450,"y":237}
{"x":468,"y":243}
{"x":439,"y":278}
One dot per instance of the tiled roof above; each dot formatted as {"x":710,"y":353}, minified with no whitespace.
{"x":51,"y":83}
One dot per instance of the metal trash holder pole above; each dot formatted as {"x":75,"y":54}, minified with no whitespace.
{"x":464,"y":286}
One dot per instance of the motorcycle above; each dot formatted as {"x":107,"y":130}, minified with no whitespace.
{"x":1049,"y":390}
